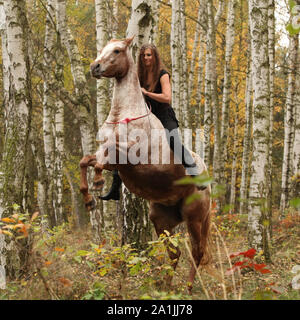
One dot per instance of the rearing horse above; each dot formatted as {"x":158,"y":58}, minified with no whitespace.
{"x":154,"y":182}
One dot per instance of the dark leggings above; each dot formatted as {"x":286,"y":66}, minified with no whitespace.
{"x":180,"y":151}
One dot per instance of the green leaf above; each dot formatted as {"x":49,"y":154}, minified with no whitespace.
{"x":291,"y":30}
{"x":77,"y":259}
{"x":103,"y":272}
{"x":292,"y":4}
{"x":15,"y":207}
{"x":82,"y":253}
{"x":193,"y":197}
{"x":295,"y":203}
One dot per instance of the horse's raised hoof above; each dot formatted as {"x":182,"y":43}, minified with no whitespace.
{"x":98,"y":185}
{"x":91,"y":205}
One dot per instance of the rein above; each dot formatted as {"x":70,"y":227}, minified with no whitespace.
{"x":126,"y":120}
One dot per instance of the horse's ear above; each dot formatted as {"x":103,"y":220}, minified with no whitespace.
{"x":128,"y":41}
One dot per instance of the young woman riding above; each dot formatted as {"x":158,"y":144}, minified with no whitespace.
{"x":156,"y":87}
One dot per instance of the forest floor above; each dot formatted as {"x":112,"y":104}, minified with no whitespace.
{"x":67,"y":265}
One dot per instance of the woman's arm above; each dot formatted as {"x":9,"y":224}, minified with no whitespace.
{"x":166,"y":95}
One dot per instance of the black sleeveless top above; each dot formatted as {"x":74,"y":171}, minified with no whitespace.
{"x":163,"y":111}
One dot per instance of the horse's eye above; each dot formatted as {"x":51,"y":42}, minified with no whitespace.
{"x":117,"y":51}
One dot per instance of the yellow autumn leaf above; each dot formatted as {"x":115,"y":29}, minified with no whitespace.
{"x":8,"y":233}
{"x":8,"y":226}
{"x":8,"y":220}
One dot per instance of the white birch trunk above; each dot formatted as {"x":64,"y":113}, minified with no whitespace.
{"x":230,"y":33}
{"x":136,"y":226}
{"x":82,"y":94}
{"x":296,"y":145}
{"x":247,"y":137}
{"x":289,"y":124}
{"x":258,"y":19}
{"x":175,"y":45}
{"x":48,"y":111}
{"x":140,"y":24}
{"x":211,"y":44}
{"x":101,"y":39}
{"x":5,"y":68}
{"x":103,"y":101}
{"x":234,"y":155}
{"x":207,"y":107}
{"x":17,"y":126}
{"x":184,"y":102}
{"x":194,"y":55}
{"x":155,"y":14}
{"x":86,"y":121}
{"x":271,"y":49}
{"x":200,"y":93}
{"x":43,"y":179}
{"x":59,"y":160}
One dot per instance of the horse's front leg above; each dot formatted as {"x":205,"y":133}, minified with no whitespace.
{"x":98,"y":178}
{"x":85,"y":162}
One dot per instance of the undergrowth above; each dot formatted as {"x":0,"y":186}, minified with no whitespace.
{"x":66,"y":264}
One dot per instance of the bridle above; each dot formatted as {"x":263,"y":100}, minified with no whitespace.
{"x":126,"y":120}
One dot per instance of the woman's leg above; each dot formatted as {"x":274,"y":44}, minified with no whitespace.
{"x":181,"y":152}
{"x":114,"y":192}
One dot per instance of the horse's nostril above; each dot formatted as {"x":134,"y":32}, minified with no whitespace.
{"x":96,"y":67}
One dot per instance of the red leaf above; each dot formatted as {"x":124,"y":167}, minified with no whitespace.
{"x":259,"y":266}
{"x":239,"y":263}
{"x":247,"y":254}
{"x":265,"y":271}
{"x":250,"y":253}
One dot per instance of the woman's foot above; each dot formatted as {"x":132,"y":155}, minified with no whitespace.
{"x":114,"y":192}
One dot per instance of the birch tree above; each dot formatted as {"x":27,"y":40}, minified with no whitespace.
{"x":175,"y":56}
{"x":136,"y":225}
{"x":211,"y":46}
{"x":247,"y":135}
{"x":194,"y":54}
{"x":79,"y":79}
{"x":257,"y":220}
{"x":5,"y":68}
{"x":296,"y":145}
{"x":230,"y":33}
{"x":48,"y":110}
{"x":271,"y":53}
{"x":184,"y":101}
{"x":289,"y":123}
{"x":87,"y":128}
{"x":18,"y":116}
{"x":140,"y":24}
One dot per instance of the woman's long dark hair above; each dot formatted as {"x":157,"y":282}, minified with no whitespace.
{"x":157,"y":66}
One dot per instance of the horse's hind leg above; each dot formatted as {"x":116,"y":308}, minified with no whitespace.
{"x":197,"y":217}
{"x":166,"y":218}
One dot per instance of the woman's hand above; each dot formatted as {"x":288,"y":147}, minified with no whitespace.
{"x":144,"y":91}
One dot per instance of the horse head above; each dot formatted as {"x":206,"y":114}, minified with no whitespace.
{"x":113,"y":60}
